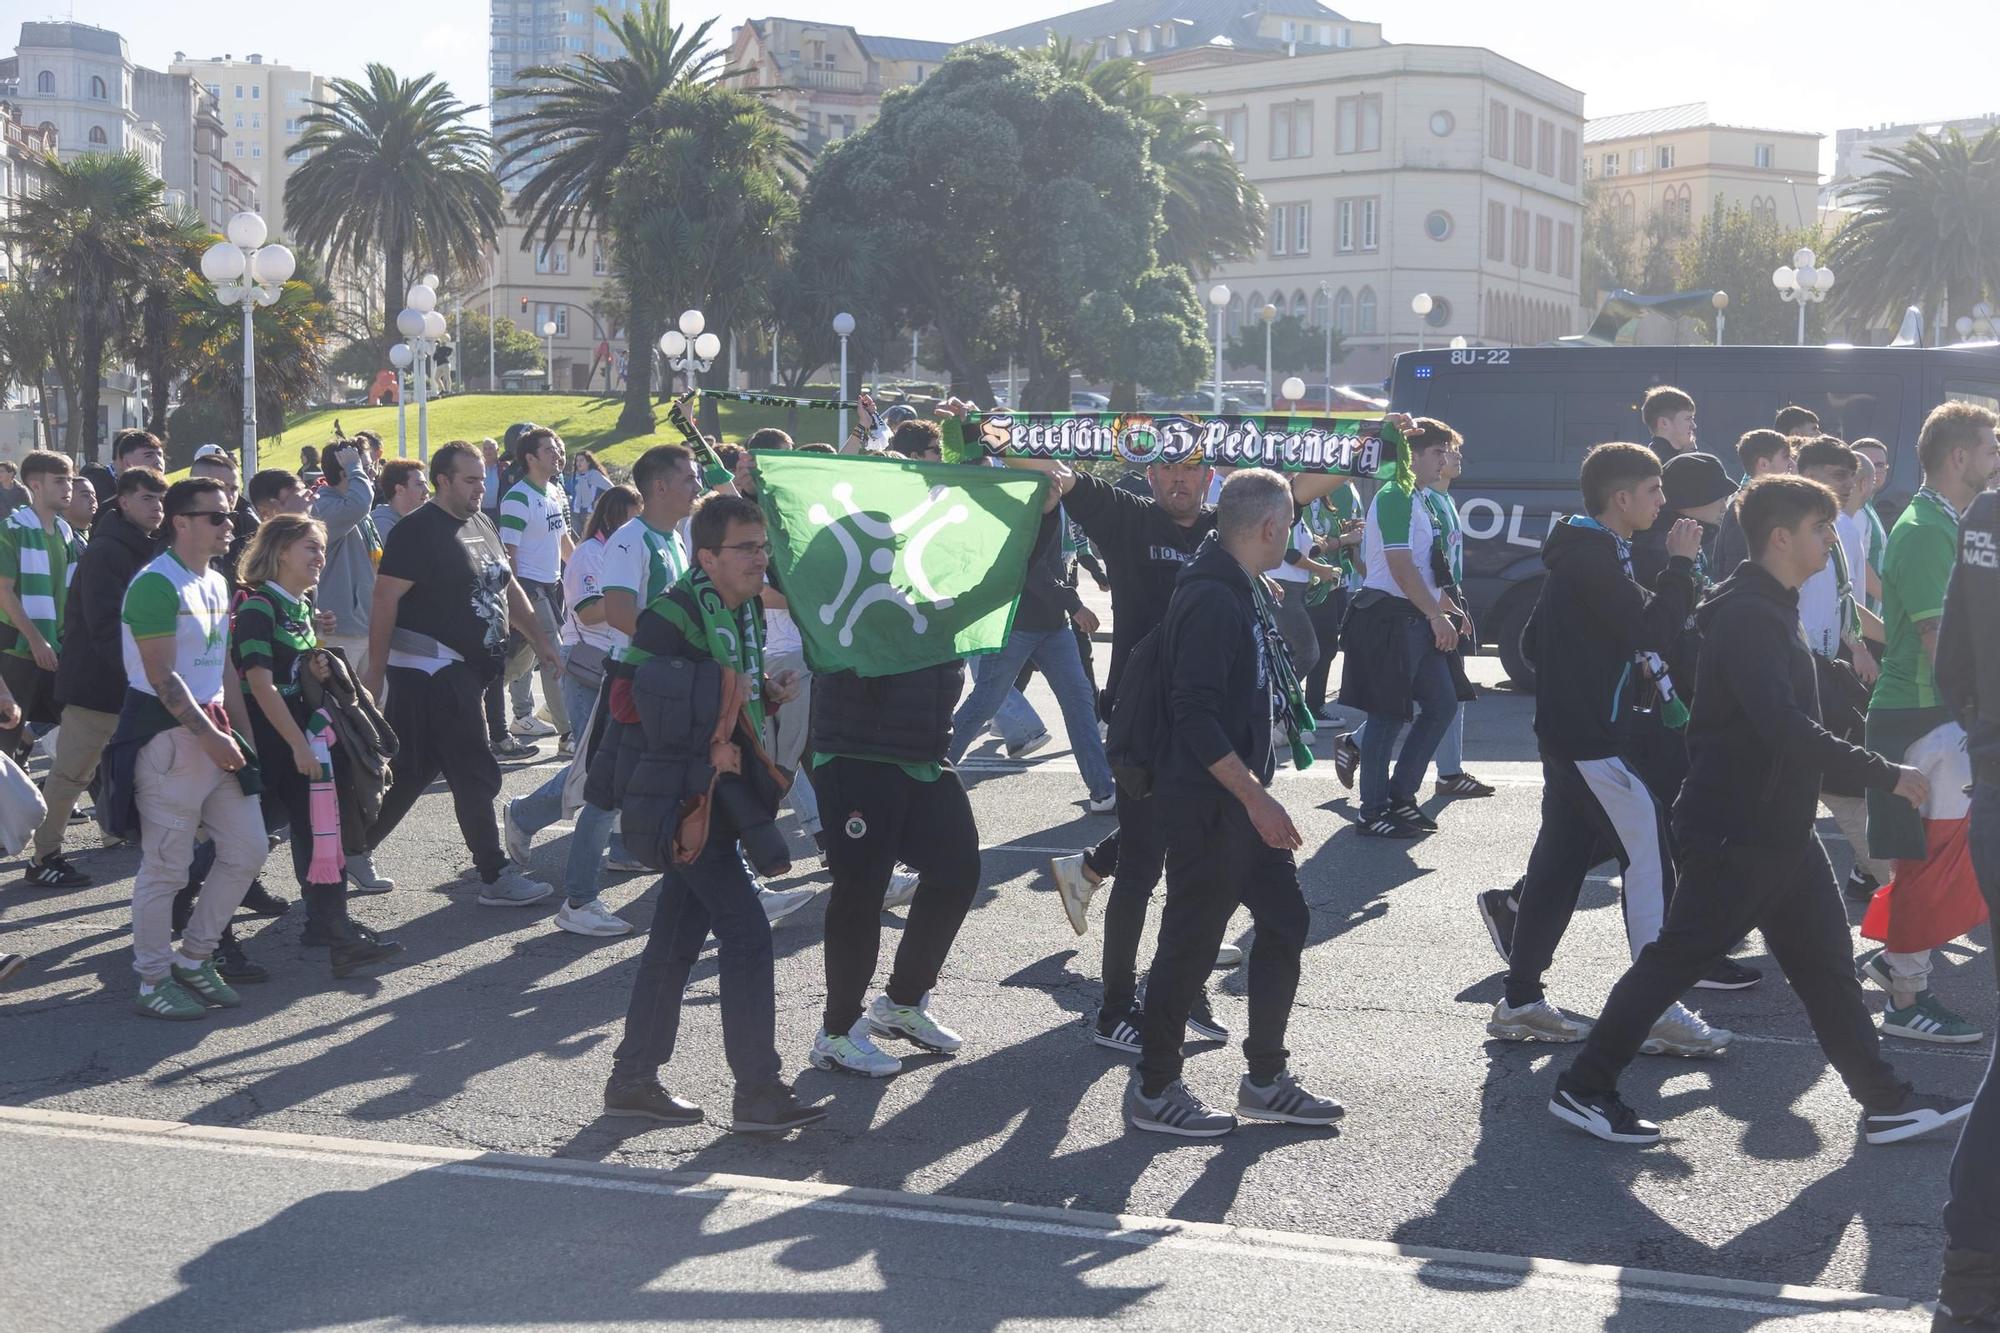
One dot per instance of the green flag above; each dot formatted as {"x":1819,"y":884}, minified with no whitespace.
{"x":890,"y":565}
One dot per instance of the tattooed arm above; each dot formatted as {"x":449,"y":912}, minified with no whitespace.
{"x":157,"y":654}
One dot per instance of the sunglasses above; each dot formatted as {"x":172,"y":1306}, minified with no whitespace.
{"x":214,"y":516}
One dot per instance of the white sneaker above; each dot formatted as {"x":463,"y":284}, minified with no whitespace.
{"x":1227,"y":956}
{"x":513,"y":889}
{"x":1681,"y":1031}
{"x":1103,"y":805}
{"x":626,"y":866}
{"x":1074,"y":888}
{"x":781,"y":903}
{"x":1540,"y":1021}
{"x":911,"y":1022}
{"x":855,"y":1053}
{"x":364,"y":878}
{"x":902,"y":889}
{"x":517,"y":840}
{"x":592,"y":918}
{"x":532,"y":726}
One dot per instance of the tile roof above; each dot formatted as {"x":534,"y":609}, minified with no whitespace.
{"x":1660,"y":120}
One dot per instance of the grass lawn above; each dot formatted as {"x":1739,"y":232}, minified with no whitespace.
{"x":584,"y":422}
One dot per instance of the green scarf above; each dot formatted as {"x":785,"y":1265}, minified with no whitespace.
{"x":1398,"y":472}
{"x":1288,"y":699}
{"x":735,"y":639}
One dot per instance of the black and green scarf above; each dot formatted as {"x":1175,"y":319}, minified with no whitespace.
{"x":733,"y":638}
{"x":1288,"y":700}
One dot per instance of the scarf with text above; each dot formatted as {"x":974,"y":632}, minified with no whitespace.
{"x":1345,"y":445}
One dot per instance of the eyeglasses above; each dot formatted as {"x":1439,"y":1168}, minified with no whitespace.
{"x":749,"y":548}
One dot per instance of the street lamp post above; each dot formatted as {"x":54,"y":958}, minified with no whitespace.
{"x":422,"y":324}
{"x":1721,"y":303}
{"x":1293,"y":389}
{"x":248,"y":273}
{"x":1422,"y":305}
{"x":688,"y":349}
{"x":1269,"y":314}
{"x":400,"y":357}
{"x":843,"y":325}
{"x":548,"y":356}
{"x":1326,"y":302}
{"x":1802,"y":282}
{"x":1218,"y":296}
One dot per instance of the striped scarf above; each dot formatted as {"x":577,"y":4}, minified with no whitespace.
{"x":37,"y":585}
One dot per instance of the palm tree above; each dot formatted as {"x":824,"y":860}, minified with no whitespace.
{"x":1213,"y":214}
{"x":393,"y":168}
{"x":291,"y":348}
{"x":37,"y":334}
{"x":1926,"y":229}
{"x":167,"y":282}
{"x":85,"y":232}
{"x":571,"y":130}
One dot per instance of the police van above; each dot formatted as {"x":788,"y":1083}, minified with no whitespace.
{"x":1529,"y":414}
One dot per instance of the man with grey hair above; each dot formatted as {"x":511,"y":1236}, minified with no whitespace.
{"x":1224,"y":679}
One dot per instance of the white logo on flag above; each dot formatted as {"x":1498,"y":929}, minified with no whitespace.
{"x":882,"y":559}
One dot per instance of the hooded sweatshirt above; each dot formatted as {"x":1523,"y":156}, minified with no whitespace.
{"x":1592,"y":622}
{"x":1756,"y":750}
{"x":1219,"y":678}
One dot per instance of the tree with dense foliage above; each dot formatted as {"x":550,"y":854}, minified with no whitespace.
{"x":1734,"y":252}
{"x":565,"y":132}
{"x":1925,"y":230}
{"x":393,"y":168}
{"x":1297,"y":348}
{"x":168,"y":289}
{"x":37,"y":335}
{"x":86,"y":234}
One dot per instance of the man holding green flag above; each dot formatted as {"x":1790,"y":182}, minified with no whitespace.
{"x":907,"y":568}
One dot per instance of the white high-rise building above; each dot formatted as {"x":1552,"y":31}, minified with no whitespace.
{"x":262,"y":106}
{"x":76,"y":81}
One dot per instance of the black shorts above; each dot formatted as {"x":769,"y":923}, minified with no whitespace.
{"x":33,"y":688}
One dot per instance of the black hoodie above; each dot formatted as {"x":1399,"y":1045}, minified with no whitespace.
{"x":91,"y":671}
{"x":1592,"y":620}
{"x":1218,"y":679}
{"x":1756,"y":750}
{"x":1968,"y":654}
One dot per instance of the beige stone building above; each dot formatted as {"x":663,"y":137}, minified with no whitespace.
{"x":261,"y":105}
{"x":828,"y":75}
{"x":1680,"y":161}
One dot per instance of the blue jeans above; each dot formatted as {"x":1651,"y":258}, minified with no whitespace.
{"x":712,"y":893}
{"x":1451,"y":746}
{"x":1972,"y":1215}
{"x":1055,"y":653}
{"x":1436,"y":699}
{"x":1016,"y":721}
{"x":542,"y":807}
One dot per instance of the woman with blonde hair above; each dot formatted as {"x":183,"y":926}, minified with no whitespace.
{"x":274,"y":645}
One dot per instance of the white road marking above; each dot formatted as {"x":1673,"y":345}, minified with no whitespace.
{"x":1431,"y":1264}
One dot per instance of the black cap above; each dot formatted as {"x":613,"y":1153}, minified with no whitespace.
{"x":1695,"y":479}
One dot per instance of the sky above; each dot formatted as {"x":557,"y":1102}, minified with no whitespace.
{"x":1824,"y":66}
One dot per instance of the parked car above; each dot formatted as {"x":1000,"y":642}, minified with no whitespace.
{"x":1082,"y":400}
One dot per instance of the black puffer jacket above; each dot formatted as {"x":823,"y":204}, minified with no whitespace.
{"x":1968,"y":660}
{"x":91,"y":670}
{"x":905,"y":717}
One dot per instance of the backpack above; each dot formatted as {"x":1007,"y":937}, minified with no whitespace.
{"x":1141,"y":720}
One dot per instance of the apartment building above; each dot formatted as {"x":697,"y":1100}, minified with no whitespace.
{"x":74,"y":81}
{"x":1680,"y":161}
{"x":828,"y":76}
{"x":262,"y":106}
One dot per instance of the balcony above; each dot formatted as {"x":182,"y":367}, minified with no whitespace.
{"x":833,"y":80}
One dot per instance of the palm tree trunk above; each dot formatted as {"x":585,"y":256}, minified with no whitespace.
{"x":393,"y":291}
{"x":90,"y":374}
{"x":155,"y":316}
{"x":637,"y":416}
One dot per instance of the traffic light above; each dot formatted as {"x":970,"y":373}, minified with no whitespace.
{"x":524,"y":305}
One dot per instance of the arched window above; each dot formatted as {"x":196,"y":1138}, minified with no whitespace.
{"x":97,"y":134}
{"x":1254,"y":312}
{"x":97,"y":89}
{"x":1299,"y":304}
{"x":1319,"y":311}
{"x":1234,"y":323}
{"x":1365,"y":311}
{"x":1343,"y":311}
{"x":49,"y":128}
{"x":45,"y":83}
{"x":1627,"y":206}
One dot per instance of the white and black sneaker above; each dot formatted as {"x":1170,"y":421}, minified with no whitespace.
{"x":1202,"y":1024}
{"x":1284,"y":1101}
{"x":1175,"y":1111}
{"x":1605,"y":1115}
{"x":1920,"y":1113}
{"x":55,"y":872}
{"x":1120,"y":1031}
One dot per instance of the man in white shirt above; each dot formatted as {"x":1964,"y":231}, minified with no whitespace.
{"x":534,"y":527}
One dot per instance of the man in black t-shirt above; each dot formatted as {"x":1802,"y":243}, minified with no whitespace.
{"x":437,"y":635}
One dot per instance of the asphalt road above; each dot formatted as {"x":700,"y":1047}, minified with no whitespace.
{"x":495,"y":1038}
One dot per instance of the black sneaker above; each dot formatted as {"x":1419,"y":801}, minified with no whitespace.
{"x":1919,"y":1113}
{"x":260,"y":901}
{"x":1605,"y":1115}
{"x":1388,"y":825}
{"x":772,"y":1110}
{"x":509,"y":749}
{"x":1201,"y":1022}
{"x":1861,"y":885}
{"x":1728,"y":974}
{"x":1463,"y":784}
{"x":1969,"y":1292}
{"x":1120,"y":1031}
{"x":234,"y":966}
{"x":1499,"y":911}
{"x":359,"y":948}
{"x":318,"y":934}
{"x":1174,"y":1111}
{"x":1346,"y":759}
{"x":1411,"y":813}
{"x":649,"y":1101}
{"x":55,"y":872}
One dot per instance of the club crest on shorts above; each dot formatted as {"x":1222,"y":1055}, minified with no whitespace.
{"x":857,"y":827}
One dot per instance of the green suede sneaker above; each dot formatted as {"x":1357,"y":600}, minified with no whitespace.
{"x":169,"y":1000}
{"x":207,"y":985}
